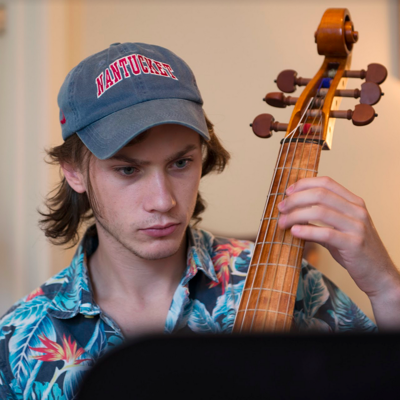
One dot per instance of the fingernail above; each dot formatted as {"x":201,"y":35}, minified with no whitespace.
{"x":290,"y":189}
{"x":295,"y":229}
{"x":281,"y":205}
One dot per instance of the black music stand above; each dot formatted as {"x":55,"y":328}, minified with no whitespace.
{"x":353,"y":366}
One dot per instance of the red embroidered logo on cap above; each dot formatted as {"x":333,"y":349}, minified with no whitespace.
{"x":63,"y":120}
{"x":137,"y":64}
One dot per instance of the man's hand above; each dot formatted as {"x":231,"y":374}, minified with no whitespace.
{"x":345,"y":228}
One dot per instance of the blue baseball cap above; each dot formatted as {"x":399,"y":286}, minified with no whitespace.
{"x":116,"y":94}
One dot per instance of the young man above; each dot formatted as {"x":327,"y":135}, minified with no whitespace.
{"x":137,"y":143}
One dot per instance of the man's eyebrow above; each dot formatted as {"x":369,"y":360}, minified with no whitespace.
{"x":181,"y":153}
{"x":127,"y":159}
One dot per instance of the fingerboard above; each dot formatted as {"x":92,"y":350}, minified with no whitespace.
{"x":269,"y":294}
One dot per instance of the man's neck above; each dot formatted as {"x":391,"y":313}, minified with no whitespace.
{"x":124,"y":283}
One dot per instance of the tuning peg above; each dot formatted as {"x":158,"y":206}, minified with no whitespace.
{"x":370,"y":93}
{"x":278,"y":99}
{"x":363,"y":114}
{"x":375,"y":73}
{"x":264,"y":124}
{"x":287,"y":81}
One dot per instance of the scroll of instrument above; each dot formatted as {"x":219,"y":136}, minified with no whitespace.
{"x":269,"y":294}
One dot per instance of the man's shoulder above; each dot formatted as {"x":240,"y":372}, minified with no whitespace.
{"x":40,"y":323}
{"x":35,"y":305}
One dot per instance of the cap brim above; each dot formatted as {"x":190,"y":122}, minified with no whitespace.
{"x":109,"y":134}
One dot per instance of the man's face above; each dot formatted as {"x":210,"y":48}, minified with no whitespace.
{"x":146,"y":193}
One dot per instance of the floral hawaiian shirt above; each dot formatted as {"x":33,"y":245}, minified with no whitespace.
{"x":50,"y":338}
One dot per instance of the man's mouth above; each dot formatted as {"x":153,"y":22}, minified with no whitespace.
{"x":160,"y":230}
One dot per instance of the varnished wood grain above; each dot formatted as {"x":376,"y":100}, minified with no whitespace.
{"x":270,"y":290}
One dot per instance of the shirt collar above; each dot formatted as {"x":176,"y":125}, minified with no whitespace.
{"x":76,"y":295}
{"x":199,"y":255}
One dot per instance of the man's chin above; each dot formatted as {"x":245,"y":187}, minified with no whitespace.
{"x":148,"y":248}
{"x":155,"y":249}
{"x":156,"y":253}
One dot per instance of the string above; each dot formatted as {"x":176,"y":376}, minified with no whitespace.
{"x":282,"y":242}
{"x":290,"y":245}
{"x":317,"y":155}
{"x":267,"y":264}
{"x":257,"y":264}
{"x":314,"y":174}
{"x":259,"y":230}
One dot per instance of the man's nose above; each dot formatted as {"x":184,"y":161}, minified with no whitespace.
{"x":160,"y":193}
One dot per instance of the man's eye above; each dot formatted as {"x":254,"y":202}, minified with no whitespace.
{"x":182,"y":163}
{"x":126,"y":170}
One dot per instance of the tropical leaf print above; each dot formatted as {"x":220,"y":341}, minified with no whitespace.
{"x":75,"y":284}
{"x":73,"y":380}
{"x":31,"y":380}
{"x":68,"y":352}
{"x":35,"y":293}
{"x":300,"y":292}
{"x":114,"y":341}
{"x":224,"y":261}
{"x":57,"y":280}
{"x":304,"y":323}
{"x":20,"y":344}
{"x":226,"y":306}
{"x":315,"y":292}
{"x":69,"y":300}
{"x":28,"y":320}
{"x":97,"y":344}
{"x":16,"y":390}
{"x":22,"y":312}
{"x":349,"y":316}
{"x":200,"y":320}
{"x":26,"y":312}
{"x":6,"y":392}
{"x":71,"y":355}
{"x":54,"y":393}
{"x":175,"y":313}
{"x":63,"y":277}
{"x":5,"y":324}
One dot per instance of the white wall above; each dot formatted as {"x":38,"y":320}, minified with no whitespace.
{"x":236,"y":49}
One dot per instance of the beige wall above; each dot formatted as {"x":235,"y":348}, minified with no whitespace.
{"x":24,"y":65}
{"x":236,"y":49}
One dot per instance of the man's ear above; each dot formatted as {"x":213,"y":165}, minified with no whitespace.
{"x":74,"y":177}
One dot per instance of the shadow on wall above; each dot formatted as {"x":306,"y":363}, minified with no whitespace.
{"x":394,"y":32}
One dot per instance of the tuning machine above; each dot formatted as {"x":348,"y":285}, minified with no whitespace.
{"x":264,"y":124}
{"x":370,"y":94}
{"x":279,"y":100}
{"x":363,"y":114}
{"x":375,"y":73}
{"x":287,"y":80}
